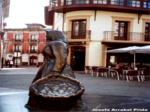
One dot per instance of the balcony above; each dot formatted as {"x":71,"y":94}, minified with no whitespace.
{"x":82,"y":36}
{"x":25,"y":51}
{"x":130,"y":6}
{"x":17,"y":50}
{"x":17,"y":41}
{"x":33,"y":41}
{"x":33,"y":51}
{"x":130,"y":37}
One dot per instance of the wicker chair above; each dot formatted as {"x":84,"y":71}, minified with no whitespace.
{"x":88,"y":70}
{"x":102,"y":71}
{"x":114,"y":73}
{"x":132,"y":74}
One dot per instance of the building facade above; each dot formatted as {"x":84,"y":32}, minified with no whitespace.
{"x":93,"y":26}
{"x":4,"y":12}
{"x":23,"y":47}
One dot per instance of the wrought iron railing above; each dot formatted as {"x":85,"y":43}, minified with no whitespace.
{"x":84,"y":35}
{"x":130,"y":36}
{"x":33,"y":51}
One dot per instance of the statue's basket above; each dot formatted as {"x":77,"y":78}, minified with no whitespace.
{"x":55,"y":91}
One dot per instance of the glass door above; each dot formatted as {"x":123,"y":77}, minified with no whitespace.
{"x":121,"y":30}
{"x":79,"y":29}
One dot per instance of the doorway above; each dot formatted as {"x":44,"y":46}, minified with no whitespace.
{"x":33,"y":60}
{"x":78,"y":58}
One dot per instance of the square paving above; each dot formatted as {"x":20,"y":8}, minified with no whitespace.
{"x":101,"y":94}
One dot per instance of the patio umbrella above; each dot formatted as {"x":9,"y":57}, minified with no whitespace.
{"x":132,"y":49}
{"x":144,"y":49}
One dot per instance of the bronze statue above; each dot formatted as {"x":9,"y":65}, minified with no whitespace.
{"x":54,"y":83}
{"x":55,"y":55}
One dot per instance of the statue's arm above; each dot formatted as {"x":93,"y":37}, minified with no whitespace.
{"x":60,"y":53}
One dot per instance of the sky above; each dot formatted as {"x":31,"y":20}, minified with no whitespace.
{"x":22,"y":12}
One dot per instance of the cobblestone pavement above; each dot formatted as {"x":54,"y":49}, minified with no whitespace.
{"x":20,"y":78}
{"x":100,"y":93}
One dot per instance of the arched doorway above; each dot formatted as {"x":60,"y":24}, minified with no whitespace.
{"x":78,"y":58}
{"x":33,"y":60}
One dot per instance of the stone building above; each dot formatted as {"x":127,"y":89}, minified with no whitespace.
{"x":23,"y":47}
{"x":93,"y":26}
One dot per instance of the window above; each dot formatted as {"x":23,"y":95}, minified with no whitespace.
{"x":33,"y":48}
{"x":17,"y":48}
{"x":34,"y":37}
{"x":54,"y":3}
{"x":146,"y":5}
{"x":134,"y":3}
{"x":112,"y":59}
{"x":82,"y":1}
{"x":68,"y":2}
{"x":18,"y":37}
{"x":100,"y":1}
{"x":79,"y":29}
{"x":62,"y":2}
{"x":121,"y":30}
{"x":147,"y":31}
{"x":117,"y":2}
